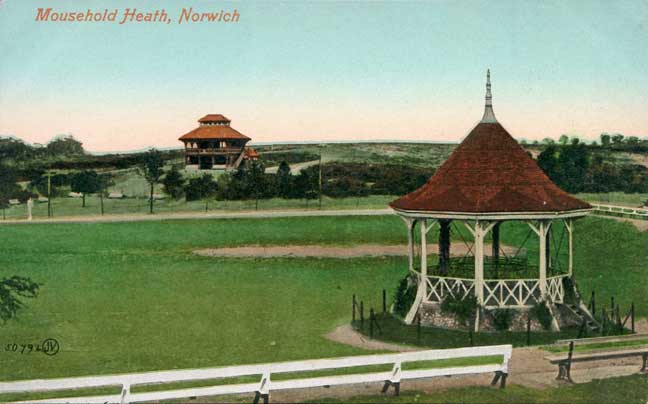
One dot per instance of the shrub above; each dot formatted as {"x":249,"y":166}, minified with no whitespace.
{"x":541,"y":312}
{"x":405,"y":295}
{"x":463,"y":310}
{"x":502,"y":319}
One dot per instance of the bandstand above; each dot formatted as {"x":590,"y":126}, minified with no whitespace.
{"x":490,"y":184}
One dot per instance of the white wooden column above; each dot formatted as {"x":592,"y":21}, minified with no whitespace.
{"x":542,"y":230}
{"x":569,"y":224}
{"x":479,"y":263}
{"x":410,"y":242}
{"x":410,"y":223}
{"x":423,"y":225}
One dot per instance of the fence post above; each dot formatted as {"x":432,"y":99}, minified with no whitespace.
{"x":470,"y":332}
{"x":371,"y":322}
{"x":361,"y":315}
{"x":632,"y":317}
{"x":618,"y":320}
{"x":418,"y":327}
{"x":384,"y":296}
{"x":593,"y":301}
{"x":353,"y":317}
{"x":528,"y":330}
{"x":612,"y":307}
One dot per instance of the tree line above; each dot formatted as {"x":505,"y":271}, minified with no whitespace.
{"x":575,"y":167}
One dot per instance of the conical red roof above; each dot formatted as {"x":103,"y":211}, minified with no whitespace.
{"x":489,"y":173}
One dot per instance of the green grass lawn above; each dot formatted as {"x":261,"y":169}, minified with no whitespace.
{"x":622,"y":390}
{"x":125,"y":297}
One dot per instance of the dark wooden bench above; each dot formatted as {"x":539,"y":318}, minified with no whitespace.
{"x":564,"y":364}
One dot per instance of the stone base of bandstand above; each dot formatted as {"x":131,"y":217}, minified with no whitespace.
{"x":432,"y":316}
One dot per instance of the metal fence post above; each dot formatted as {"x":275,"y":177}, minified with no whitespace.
{"x":384,"y":296}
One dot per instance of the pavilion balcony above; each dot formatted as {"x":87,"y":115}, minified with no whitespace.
{"x":220,"y":150}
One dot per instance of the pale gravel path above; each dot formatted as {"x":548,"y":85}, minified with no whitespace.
{"x":254,"y":214}
{"x":363,"y":250}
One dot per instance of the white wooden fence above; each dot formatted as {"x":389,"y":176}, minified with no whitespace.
{"x":262,"y":388}
{"x":601,"y":208}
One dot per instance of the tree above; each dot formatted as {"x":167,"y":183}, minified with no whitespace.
{"x":203,"y":187}
{"x":564,"y":139}
{"x":11,"y":291}
{"x":605,"y":140}
{"x":9,"y":187}
{"x":255,"y":178}
{"x":284,"y":180}
{"x":173,"y":183}
{"x":65,"y":145}
{"x":151,"y":170}
{"x":104,"y":181}
{"x":617,"y":139}
{"x":85,"y":182}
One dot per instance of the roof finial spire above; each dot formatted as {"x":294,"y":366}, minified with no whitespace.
{"x":489,"y":115}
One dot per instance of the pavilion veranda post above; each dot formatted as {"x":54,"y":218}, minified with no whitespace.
{"x":489,"y":186}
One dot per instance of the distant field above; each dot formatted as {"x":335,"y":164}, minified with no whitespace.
{"x":413,"y":154}
{"x":616,"y":198}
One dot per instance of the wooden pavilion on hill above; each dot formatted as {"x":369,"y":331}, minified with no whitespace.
{"x":489,"y":180}
{"x":214,"y":144}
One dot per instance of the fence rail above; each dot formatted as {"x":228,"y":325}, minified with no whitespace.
{"x":624,"y":210}
{"x":265,"y":385}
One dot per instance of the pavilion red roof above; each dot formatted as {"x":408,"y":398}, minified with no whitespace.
{"x":251,"y":153}
{"x":489,"y":172}
{"x":213,"y":132}
{"x":214,"y":118}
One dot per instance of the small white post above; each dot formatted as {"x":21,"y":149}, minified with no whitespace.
{"x":125,"y":393}
{"x":264,"y":386}
{"x":396,"y":373}
{"x":30,"y":205}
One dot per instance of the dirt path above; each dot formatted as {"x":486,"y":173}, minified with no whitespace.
{"x":364,"y":250}
{"x":254,"y":214}
{"x":641,"y":225}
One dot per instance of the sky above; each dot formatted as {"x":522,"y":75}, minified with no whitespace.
{"x":324,"y":71}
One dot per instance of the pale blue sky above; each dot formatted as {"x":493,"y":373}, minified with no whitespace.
{"x":325,"y":70}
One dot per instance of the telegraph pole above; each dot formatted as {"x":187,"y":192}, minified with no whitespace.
{"x":49,"y":194}
{"x":320,"y":180}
